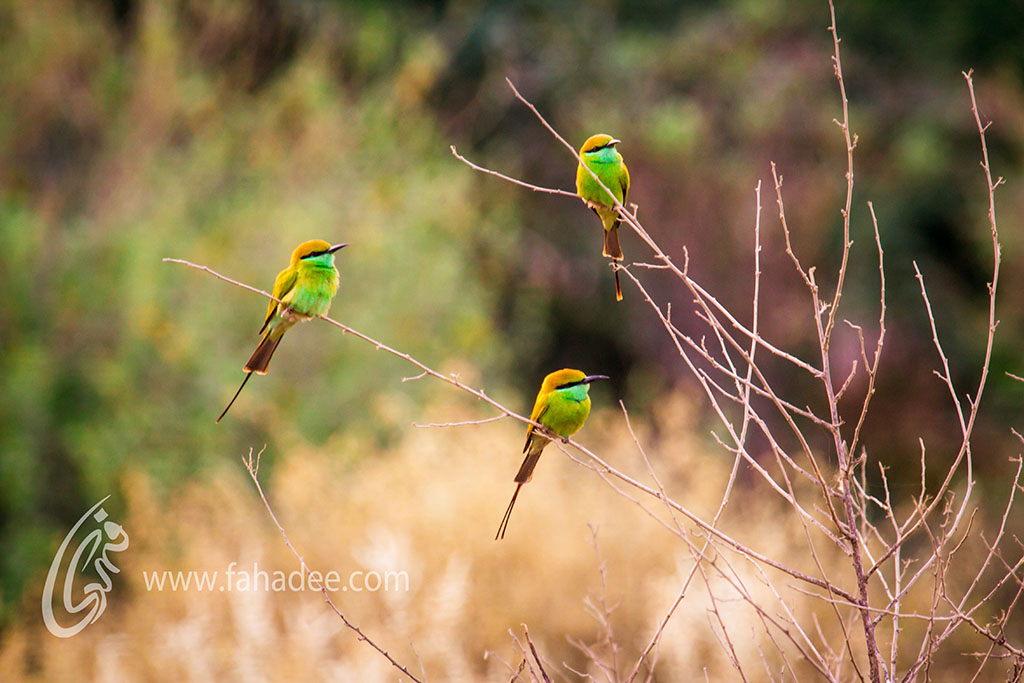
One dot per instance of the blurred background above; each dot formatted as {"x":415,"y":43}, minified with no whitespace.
{"x":227,"y":132}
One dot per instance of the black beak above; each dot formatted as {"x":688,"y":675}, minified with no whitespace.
{"x":590,"y":378}
{"x":336,"y":247}
{"x":613,"y":143}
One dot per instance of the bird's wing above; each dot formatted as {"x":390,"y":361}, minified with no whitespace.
{"x":581,"y":174}
{"x":624,"y":182}
{"x":283,"y":283}
{"x":539,"y":408}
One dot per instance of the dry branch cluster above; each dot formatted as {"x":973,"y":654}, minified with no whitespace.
{"x":893,"y":582}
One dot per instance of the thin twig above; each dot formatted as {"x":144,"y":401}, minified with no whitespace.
{"x":252,"y":466}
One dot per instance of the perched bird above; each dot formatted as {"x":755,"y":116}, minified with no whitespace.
{"x":305,"y":289}
{"x":562,"y":406}
{"x":599,"y":155}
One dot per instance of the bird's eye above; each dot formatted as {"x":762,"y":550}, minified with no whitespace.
{"x":313,"y":255}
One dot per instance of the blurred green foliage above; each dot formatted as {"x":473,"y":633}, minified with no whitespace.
{"x":168,"y":138}
{"x":227,"y":132}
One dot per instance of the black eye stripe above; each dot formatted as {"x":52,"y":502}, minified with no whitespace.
{"x":314,"y":254}
{"x":568,"y":384}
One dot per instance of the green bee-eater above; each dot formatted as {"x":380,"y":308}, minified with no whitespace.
{"x":562,"y":406}
{"x":305,"y":289}
{"x":598,"y":154}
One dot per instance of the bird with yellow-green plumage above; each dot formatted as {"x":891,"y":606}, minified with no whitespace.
{"x":600,"y":156}
{"x":304,"y":289}
{"x":562,"y":406}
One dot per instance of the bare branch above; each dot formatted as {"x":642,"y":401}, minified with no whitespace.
{"x":252,"y":466}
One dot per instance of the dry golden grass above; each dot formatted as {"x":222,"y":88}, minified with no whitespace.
{"x":430,"y":507}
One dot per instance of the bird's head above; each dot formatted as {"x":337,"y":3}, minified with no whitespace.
{"x":599,"y":146}
{"x":315,"y":249}
{"x":567,"y":378}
